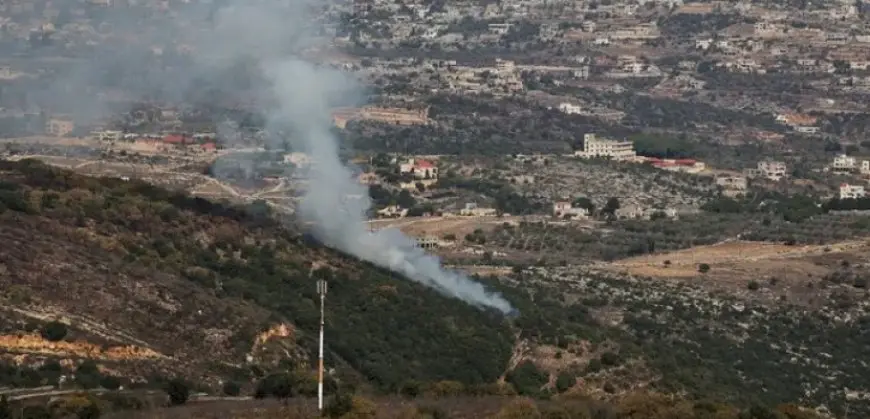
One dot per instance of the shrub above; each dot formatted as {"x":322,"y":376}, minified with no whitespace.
{"x":339,"y":405}
{"x":610,"y":359}
{"x":232,"y":388}
{"x":527,"y":378}
{"x":178,"y":392}
{"x":109,"y":382}
{"x":54,"y":331}
{"x":753,"y":285}
{"x":410,"y":389}
{"x":565,"y":381}
{"x":519,"y":409}
{"x":703,"y":268}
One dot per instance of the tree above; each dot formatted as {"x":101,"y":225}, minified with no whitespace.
{"x":565,"y":381}
{"x":178,"y":392}
{"x":5,"y":410}
{"x":54,"y":331}
{"x":527,"y":378}
{"x":703,"y":268}
{"x":232,"y":388}
{"x":89,"y":411}
{"x":611,"y":206}
{"x":410,"y":389}
{"x":110,"y":382}
{"x":339,"y":405}
{"x":279,"y":385}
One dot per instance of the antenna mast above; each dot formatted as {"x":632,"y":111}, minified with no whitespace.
{"x":321,"y":290}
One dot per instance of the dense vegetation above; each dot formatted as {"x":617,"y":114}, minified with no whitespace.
{"x":389,"y":330}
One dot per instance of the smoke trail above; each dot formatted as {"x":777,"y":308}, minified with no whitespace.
{"x":336,"y":203}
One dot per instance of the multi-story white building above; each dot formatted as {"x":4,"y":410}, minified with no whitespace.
{"x":843,"y":163}
{"x":595,"y":147}
{"x":848,"y":191}
{"x":773,"y":170}
{"x":865,"y":167}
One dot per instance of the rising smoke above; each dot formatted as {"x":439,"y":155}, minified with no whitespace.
{"x":295,"y":97}
{"x":335,"y":203}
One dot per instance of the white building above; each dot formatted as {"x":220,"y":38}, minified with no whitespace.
{"x":421,"y":169}
{"x":569,"y":108}
{"x":865,"y":167}
{"x":843,"y":163}
{"x":393,"y":211}
{"x":848,"y":191}
{"x":595,"y":147}
{"x":472,"y":210}
{"x":773,"y":170}
{"x":565,"y":209}
{"x":297,"y":159}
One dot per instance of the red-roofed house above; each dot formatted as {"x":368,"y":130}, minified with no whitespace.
{"x":209,"y":147}
{"x":422,"y":169}
{"x":174,"y":139}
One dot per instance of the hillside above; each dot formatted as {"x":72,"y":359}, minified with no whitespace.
{"x":151,"y":282}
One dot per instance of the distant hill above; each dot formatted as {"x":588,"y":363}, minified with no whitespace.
{"x":150,"y":282}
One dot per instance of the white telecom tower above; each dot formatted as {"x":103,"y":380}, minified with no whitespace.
{"x":321,"y":290}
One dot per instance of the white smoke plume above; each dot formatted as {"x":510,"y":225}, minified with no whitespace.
{"x":335,"y":203}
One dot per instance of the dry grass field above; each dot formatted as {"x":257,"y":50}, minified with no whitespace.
{"x":740,"y":261}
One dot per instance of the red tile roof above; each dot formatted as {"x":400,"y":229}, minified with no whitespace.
{"x":423,"y":164}
{"x":174,"y":139}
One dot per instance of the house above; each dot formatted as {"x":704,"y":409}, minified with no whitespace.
{"x":865,"y":167}
{"x":843,"y":163}
{"x":567,"y":210}
{"x":472,"y":210}
{"x":421,"y":169}
{"x":569,"y":108}
{"x":848,"y":191}
{"x":369,"y":179}
{"x":773,"y":170}
{"x":428,"y":242}
{"x":738,"y":183}
{"x":393,"y":211}
{"x":208,"y":147}
{"x":595,"y":147}
{"x":59,"y":127}
{"x":678,"y":165}
{"x":798,"y":122}
{"x":107,"y":135}
{"x":297,"y":159}
{"x":174,"y":139}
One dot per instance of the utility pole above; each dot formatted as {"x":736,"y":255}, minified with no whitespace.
{"x":321,"y":290}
